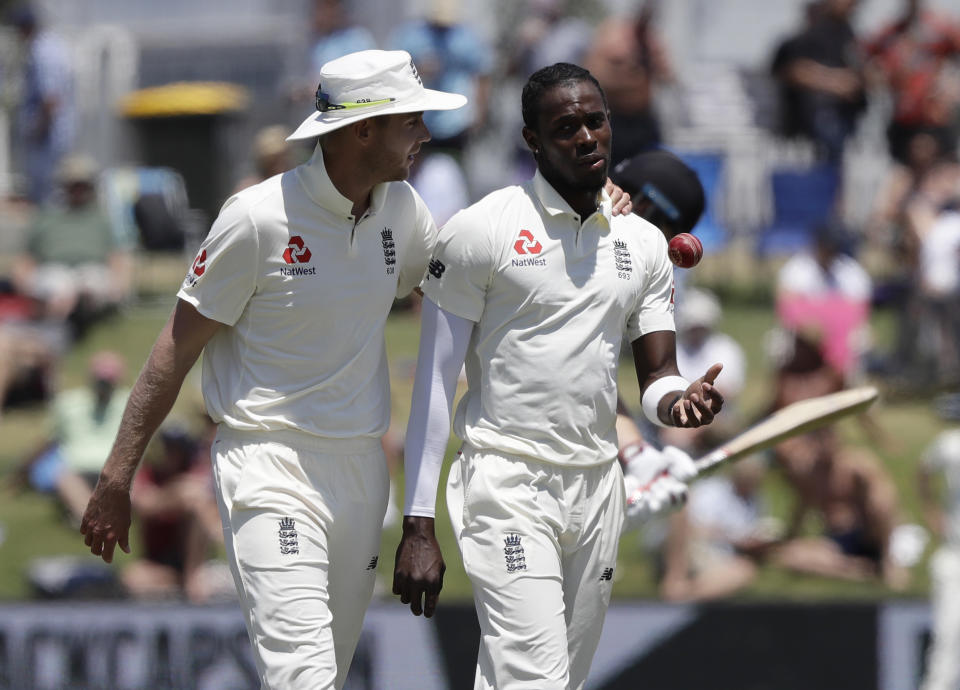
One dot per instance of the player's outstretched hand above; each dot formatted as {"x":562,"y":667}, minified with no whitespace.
{"x":700,"y":402}
{"x":106,"y":521}
{"x":655,"y":482}
{"x":622,"y":203}
{"x":419,"y":567}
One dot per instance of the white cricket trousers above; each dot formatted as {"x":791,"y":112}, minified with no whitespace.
{"x":943,"y":659}
{"x":302,"y":518}
{"x":539,"y":542}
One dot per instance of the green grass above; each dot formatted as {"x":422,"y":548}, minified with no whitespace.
{"x":35,"y":527}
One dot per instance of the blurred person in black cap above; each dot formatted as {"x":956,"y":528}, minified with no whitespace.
{"x":665,"y":190}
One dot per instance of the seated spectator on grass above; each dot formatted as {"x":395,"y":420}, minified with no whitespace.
{"x":175,"y":506}
{"x":84,"y":424}
{"x":714,"y":546}
{"x":272,"y":155}
{"x":72,"y":263}
{"x":846,"y":488}
{"x":828,"y":291}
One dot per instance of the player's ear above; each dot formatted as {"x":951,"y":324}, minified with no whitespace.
{"x":363,"y":130}
{"x":533,"y":141}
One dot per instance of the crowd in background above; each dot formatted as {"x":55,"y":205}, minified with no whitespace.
{"x":72,"y":266}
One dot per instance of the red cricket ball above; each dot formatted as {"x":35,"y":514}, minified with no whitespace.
{"x":685,"y":250}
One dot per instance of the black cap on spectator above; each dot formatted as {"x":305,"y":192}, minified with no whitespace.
{"x":670,"y":184}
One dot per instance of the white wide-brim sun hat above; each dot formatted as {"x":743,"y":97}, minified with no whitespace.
{"x":368,"y":84}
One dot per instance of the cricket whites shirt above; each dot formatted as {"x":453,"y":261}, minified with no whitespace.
{"x":305,"y":292}
{"x":552,"y":297}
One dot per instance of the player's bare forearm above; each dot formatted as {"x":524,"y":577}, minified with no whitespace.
{"x":106,"y":521}
{"x":176,"y":350}
{"x":419,"y":567}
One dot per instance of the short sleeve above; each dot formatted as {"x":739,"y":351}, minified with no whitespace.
{"x":223,"y":275}
{"x":459,"y":272}
{"x":655,"y":305}
{"x":416,"y":256}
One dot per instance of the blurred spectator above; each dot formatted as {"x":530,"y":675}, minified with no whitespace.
{"x":73,"y":264}
{"x":918,"y":176}
{"x":272,"y":155}
{"x":847,"y":488}
{"x":699,"y":346}
{"x":913,"y":55}
{"x":827,"y":290}
{"x":926,"y":285}
{"x":84,"y":424}
{"x":934,"y":221}
{"x":439,"y":179}
{"x":942,"y":459}
{"x":45,"y":118}
{"x":628,"y":60}
{"x":547,"y":35}
{"x":174,"y":502}
{"x":715,"y":545}
{"x":29,"y":351}
{"x":451,"y":56}
{"x":819,"y":70}
{"x":665,"y":190}
{"x":335,"y":35}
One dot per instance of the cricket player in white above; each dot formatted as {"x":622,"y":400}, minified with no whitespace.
{"x":287,"y":298}
{"x":943,"y":660}
{"x":533,"y":288}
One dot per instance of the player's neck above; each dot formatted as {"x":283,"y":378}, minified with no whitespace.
{"x":350,"y":181}
{"x":583,"y":201}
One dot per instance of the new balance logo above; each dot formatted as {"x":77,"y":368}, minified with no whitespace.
{"x":513,"y":553}
{"x":288,"y":536}
{"x":606,"y":575}
{"x":372,"y":565}
{"x":416,"y":74}
{"x":436,"y":269}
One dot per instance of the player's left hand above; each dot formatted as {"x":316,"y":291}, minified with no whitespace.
{"x":655,"y":482}
{"x":622,"y":203}
{"x":419,"y":567}
{"x":700,"y":402}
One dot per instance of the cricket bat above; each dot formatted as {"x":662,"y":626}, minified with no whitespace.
{"x":792,"y":420}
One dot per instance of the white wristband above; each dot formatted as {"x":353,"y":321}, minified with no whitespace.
{"x":655,"y":392}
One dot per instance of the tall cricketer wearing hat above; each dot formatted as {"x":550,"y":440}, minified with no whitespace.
{"x":287,"y":299}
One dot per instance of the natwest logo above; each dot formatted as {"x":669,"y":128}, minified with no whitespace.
{"x":200,"y":264}
{"x":296,"y":251}
{"x":527,"y":244}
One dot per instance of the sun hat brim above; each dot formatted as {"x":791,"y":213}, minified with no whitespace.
{"x":319,"y":123}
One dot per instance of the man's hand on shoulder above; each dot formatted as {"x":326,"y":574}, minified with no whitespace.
{"x":621,"y":202}
{"x":419,"y":567}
